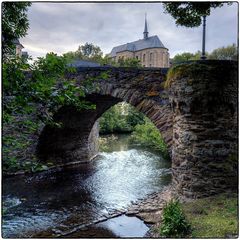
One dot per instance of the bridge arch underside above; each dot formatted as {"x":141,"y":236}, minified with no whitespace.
{"x":76,"y":140}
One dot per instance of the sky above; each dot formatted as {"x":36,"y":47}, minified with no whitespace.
{"x":62,"y":27}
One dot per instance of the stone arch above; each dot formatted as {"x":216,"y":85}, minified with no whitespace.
{"x":140,"y":88}
{"x":76,"y":140}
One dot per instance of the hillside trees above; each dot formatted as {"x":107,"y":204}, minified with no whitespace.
{"x":229,"y":52}
{"x":225,"y":53}
{"x":88,"y":51}
{"x":91,"y":52}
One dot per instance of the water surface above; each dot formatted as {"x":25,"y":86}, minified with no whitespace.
{"x":51,"y":204}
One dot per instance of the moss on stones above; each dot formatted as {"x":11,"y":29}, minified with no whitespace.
{"x":192,"y":70}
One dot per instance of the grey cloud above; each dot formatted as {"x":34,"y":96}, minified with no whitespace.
{"x":62,"y":27}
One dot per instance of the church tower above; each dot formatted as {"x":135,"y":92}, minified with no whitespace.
{"x":149,"y":50}
{"x":145,"y":33}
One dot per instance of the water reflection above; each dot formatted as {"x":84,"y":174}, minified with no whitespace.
{"x":57,"y":202}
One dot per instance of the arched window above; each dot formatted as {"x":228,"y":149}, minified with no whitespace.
{"x":143,"y":57}
{"x":136,"y":57}
{"x":151,"y":57}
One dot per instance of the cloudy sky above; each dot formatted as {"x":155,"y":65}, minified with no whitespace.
{"x":62,"y":27}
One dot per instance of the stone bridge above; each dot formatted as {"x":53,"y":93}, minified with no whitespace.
{"x":195,"y":110}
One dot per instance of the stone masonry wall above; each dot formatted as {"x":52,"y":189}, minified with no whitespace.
{"x":204,"y":99}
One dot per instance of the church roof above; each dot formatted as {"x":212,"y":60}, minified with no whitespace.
{"x":150,"y":42}
{"x":17,"y":43}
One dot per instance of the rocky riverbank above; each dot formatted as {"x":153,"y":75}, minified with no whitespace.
{"x":150,"y":209}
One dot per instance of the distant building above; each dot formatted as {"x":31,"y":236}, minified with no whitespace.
{"x":83,"y":63}
{"x":25,"y":55}
{"x":19,"y":47}
{"x":149,"y":50}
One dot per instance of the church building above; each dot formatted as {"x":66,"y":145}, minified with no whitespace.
{"x":150,"y":51}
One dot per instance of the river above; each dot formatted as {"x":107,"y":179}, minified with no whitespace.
{"x":55,"y":204}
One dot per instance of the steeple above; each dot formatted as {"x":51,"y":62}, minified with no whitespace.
{"x":145,"y":33}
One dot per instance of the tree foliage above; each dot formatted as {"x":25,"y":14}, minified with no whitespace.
{"x":91,"y":52}
{"x":129,"y":62}
{"x":14,"y":24}
{"x":120,"y":118}
{"x":183,"y":57}
{"x":88,"y":51}
{"x":225,"y":53}
{"x":148,"y":135}
{"x":32,"y":94}
{"x":45,"y":85}
{"x":189,"y":14}
{"x":186,"y":56}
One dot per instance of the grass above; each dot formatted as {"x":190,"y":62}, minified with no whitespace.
{"x":213,"y":217}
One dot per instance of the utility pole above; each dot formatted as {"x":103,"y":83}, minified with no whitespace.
{"x":204,"y":38}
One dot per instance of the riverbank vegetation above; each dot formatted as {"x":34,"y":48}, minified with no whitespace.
{"x":174,"y":223}
{"x":211,"y":217}
{"x":123,"y":118}
{"x":148,"y":135}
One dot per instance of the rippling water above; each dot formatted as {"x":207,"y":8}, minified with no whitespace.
{"x":57,"y":202}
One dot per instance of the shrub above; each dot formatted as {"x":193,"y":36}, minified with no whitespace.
{"x":174,"y":223}
{"x":148,"y":135}
{"x":120,"y":118}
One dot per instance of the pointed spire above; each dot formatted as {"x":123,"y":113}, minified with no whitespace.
{"x":145,"y":33}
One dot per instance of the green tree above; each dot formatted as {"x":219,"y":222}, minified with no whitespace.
{"x":134,"y":117}
{"x":122,"y":117}
{"x":129,"y":62}
{"x":14,"y":24}
{"x":91,"y":52}
{"x":88,"y":51}
{"x":225,"y":53}
{"x":30,"y":99}
{"x":183,"y":57}
{"x":189,"y":14}
{"x":114,"y":120}
{"x":148,"y":135}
